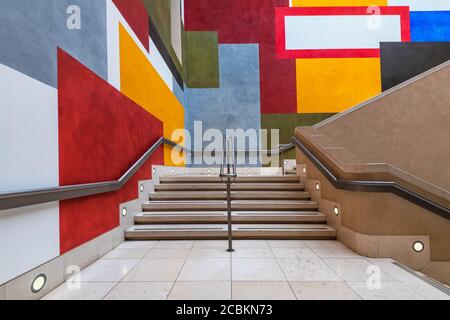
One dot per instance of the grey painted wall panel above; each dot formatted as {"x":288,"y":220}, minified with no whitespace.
{"x":31,"y":31}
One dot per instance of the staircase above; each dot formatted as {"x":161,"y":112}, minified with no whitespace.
{"x":263,"y":207}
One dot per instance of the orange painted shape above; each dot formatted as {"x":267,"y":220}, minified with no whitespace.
{"x":334,"y":85}
{"x":140,"y":81}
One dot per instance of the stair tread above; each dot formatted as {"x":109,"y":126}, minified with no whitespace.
{"x":220,"y":231}
{"x":235,"y":195}
{"x":216,"y":179}
{"x":207,"y":227}
{"x":211,"y":202}
{"x":235,"y":186}
{"x":244,"y":213}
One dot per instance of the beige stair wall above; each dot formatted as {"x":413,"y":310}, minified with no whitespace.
{"x":382,"y":225}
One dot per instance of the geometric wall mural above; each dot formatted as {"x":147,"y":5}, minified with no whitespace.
{"x":135,"y":70}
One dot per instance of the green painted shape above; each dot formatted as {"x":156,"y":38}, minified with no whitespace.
{"x":202,"y":59}
{"x":159,"y":12}
{"x":287,"y":123}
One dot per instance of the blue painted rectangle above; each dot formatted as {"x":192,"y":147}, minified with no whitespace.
{"x":430,"y":26}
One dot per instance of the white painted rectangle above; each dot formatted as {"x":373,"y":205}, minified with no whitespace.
{"x":422,"y":5}
{"x":341,"y":32}
{"x":28,"y":132}
{"x":29,"y":237}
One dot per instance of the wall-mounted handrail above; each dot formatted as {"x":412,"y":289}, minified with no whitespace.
{"x":23,"y":198}
{"x":373,"y":186}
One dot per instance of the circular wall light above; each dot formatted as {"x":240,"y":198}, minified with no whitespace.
{"x":418,"y":246}
{"x":154,"y":170}
{"x":38,"y":283}
{"x":317,"y":186}
{"x":209,"y":170}
{"x":304,"y":170}
{"x":141,"y":188}
{"x":336,"y":211}
{"x":285,"y":162}
{"x":173,"y":172}
{"x":124,"y":211}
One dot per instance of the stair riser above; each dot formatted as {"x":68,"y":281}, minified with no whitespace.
{"x":222,"y":235}
{"x":234,"y":187}
{"x":223,"y":219}
{"x":205,"y":196}
{"x":218,"y":207}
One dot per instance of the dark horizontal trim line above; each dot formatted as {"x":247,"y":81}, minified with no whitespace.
{"x":157,"y":40}
{"x":373,"y":186}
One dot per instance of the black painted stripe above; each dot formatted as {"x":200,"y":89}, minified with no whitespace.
{"x":157,"y":40}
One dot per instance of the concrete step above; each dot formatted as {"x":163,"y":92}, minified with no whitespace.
{"x":240,"y":217}
{"x":234,"y":187}
{"x":239,"y":179}
{"x":236,"y":205}
{"x":235,"y":195}
{"x":240,"y":231}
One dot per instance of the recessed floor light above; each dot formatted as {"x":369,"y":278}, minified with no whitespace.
{"x":336,"y":211}
{"x":38,"y":283}
{"x":418,"y":246}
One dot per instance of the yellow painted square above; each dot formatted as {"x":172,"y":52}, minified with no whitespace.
{"x":334,"y":85}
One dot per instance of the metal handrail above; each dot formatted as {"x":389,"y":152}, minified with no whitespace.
{"x":231,"y":174}
{"x":24,"y":198}
{"x":373,"y":186}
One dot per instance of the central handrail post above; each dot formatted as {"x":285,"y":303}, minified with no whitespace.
{"x":230,"y":224}
{"x":229,"y":161}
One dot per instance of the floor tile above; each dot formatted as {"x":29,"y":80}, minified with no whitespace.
{"x":160,"y":270}
{"x":250,"y":244}
{"x":387,"y":291}
{"x":168,"y":254}
{"x":336,"y":253}
{"x":324,"y":291}
{"x":209,"y":253}
{"x":410,"y":280}
{"x":262,"y":290}
{"x":205,"y":269}
{"x":257,"y":269}
{"x":86,"y":291}
{"x":211,"y":244}
{"x":140,"y":291}
{"x":252,"y":253}
{"x":356,"y":270}
{"x":307,"y":269}
{"x":105,"y":270}
{"x":287,"y":244}
{"x":294,"y":253}
{"x":315,"y":244}
{"x":201,"y":290}
{"x":137,"y":245}
{"x":171,"y":244}
{"x":132,"y":253}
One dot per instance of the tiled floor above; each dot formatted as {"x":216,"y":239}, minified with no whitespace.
{"x":257,"y":270}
